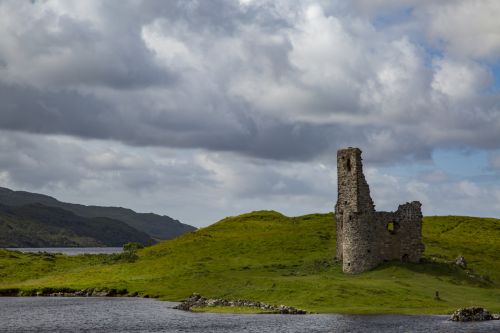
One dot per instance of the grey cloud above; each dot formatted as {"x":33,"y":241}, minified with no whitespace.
{"x":32,"y":110}
{"x":200,"y":187}
{"x":56,"y":50}
{"x":224,"y":103}
{"x":257,"y":80}
{"x":43,"y":162}
{"x":38,"y":163}
{"x":69,"y":112}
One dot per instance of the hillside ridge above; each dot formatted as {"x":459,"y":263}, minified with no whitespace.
{"x":37,"y":225}
{"x":158,"y":227}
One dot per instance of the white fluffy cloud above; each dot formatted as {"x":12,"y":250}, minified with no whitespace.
{"x":269,"y":89}
{"x":458,"y":80}
{"x":243,"y":77}
{"x":247,"y":77}
{"x":468,"y":29}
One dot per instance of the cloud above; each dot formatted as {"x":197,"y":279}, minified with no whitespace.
{"x":495,"y":161}
{"x":57,"y":47}
{"x":37,"y":163}
{"x":467,"y":29}
{"x":197,"y":187}
{"x":275,"y":80}
{"x":440,"y":194}
{"x":201,"y":187}
{"x":234,"y":103}
{"x":460,"y":81}
{"x":434,"y":176}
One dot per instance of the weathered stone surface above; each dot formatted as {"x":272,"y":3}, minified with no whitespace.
{"x":365,"y":237}
{"x":472,"y":314}
{"x":460,"y":261}
{"x":196,"y":300}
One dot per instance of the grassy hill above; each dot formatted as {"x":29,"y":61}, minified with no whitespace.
{"x":156,"y":226}
{"x":276,"y":259}
{"x":37,"y":225}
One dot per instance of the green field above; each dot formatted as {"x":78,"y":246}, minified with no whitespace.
{"x":275,"y":259}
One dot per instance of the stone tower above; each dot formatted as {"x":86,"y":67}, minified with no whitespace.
{"x":365,"y":238}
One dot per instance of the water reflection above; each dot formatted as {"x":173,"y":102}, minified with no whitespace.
{"x":43,"y":314}
{"x":70,"y":251}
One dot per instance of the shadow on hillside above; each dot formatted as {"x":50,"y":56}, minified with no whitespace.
{"x":443,"y":270}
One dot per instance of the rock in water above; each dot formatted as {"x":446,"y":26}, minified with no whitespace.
{"x":471,"y":314}
{"x":193,"y":300}
{"x":196,"y":300}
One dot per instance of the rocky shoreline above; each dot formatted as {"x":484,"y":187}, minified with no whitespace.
{"x":196,"y":300}
{"x":68,"y":292}
{"x":473,"y":314}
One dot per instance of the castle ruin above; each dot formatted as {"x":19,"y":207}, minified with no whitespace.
{"x":365,"y":237}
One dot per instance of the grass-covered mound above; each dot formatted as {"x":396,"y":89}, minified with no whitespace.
{"x":272,"y":258}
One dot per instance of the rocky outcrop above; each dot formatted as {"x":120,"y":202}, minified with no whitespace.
{"x":68,"y":292}
{"x":472,"y":314}
{"x":196,"y":300}
{"x":90,"y":292}
{"x":460,"y":261}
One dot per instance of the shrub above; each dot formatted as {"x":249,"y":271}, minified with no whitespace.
{"x":132,"y":247}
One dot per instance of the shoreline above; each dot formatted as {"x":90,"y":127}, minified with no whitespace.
{"x":69,"y":292}
{"x":443,"y":316}
{"x":196,"y":303}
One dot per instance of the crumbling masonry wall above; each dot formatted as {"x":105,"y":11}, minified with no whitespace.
{"x":366,"y":238}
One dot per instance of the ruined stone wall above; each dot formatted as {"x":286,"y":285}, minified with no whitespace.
{"x":355,"y":208}
{"x":365,"y":238}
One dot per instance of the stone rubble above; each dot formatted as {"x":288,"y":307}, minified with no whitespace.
{"x":473,"y":314}
{"x":460,"y":261}
{"x":196,"y":300}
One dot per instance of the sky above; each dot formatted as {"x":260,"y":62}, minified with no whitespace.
{"x":204,"y":109}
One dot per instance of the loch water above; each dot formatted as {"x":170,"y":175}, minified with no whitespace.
{"x":79,"y":314}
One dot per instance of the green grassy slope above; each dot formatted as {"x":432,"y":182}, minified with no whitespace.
{"x":268,"y":257}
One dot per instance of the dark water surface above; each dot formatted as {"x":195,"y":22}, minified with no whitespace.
{"x":70,"y":251}
{"x":75,"y":314}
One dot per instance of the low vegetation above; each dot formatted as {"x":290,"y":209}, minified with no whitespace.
{"x":266,"y":256}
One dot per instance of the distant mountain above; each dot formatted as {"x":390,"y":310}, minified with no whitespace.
{"x":156,"y":226}
{"x":36,"y":225}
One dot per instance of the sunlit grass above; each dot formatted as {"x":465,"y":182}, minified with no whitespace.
{"x":268,"y":257}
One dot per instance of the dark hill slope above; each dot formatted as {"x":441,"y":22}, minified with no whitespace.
{"x":37,"y":225}
{"x":156,"y":226}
